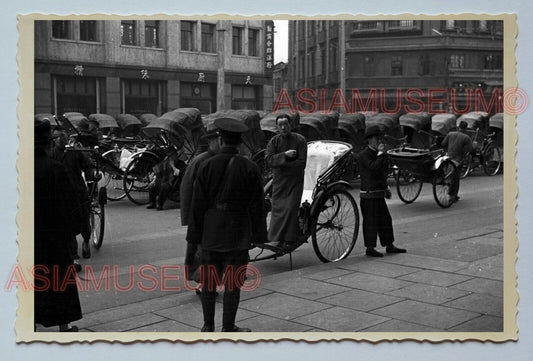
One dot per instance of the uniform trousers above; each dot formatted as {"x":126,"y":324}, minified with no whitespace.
{"x":376,"y":221}
{"x":228,"y":268}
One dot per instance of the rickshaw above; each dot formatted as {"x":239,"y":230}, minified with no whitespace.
{"x":418,"y":166}
{"x":442,"y":124}
{"x":328,"y":212}
{"x":51,"y":118}
{"x":352,"y":130}
{"x":268,"y":123}
{"x":416,"y":127}
{"x":130,"y":125}
{"x":178,"y":130}
{"x":487,"y":154}
{"x":146,"y":118}
{"x":496,"y":127}
{"x":389,"y":125}
{"x":73,"y":120}
{"x":319,"y":126}
{"x":107,"y":125}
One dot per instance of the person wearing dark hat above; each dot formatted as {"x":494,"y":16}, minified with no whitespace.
{"x":227,"y":216}
{"x":286,"y":154}
{"x":373,"y":164}
{"x":193,"y":252}
{"x":56,"y":221}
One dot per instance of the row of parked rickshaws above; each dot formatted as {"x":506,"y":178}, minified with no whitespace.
{"x":134,"y":145}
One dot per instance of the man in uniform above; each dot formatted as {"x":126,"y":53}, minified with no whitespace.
{"x":376,"y":217}
{"x":227,"y":216}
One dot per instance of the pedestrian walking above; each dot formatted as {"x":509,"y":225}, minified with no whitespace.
{"x":227,"y":216}
{"x":56,"y":221}
{"x":286,"y":154}
{"x":377,"y":220}
{"x":458,"y":143}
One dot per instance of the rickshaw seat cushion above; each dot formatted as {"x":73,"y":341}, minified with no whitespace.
{"x":125,"y":158}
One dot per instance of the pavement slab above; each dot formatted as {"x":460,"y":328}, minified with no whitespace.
{"x":331,"y":273}
{"x":305,"y":288}
{"x":128,"y":324}
{"x":482,"y":285}
{"x":282,"y":306}
{"x":360,"y":300}
{"x":340,"y":319}
{"x":400,"y":326}
{"x":491,"y":267}
{"x":368,"y":282}
{"x":381,"y":268}
{"x":435,"y":278}
{"x":485,"y":304}
{"x":458,"y":250}
{"x":426,"y":314}
{"x":483,"y":323}
{"x":166,"y":326}
{"x":264,"y":323}
{"x":427,"y":262}
{"x":428,"y":293}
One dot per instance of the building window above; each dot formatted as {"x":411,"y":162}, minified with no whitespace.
{"x":424,"y":65}
{"x":237,"y":41}
{"x":333,"y":66}
{"x":151,"y":33}
{"x":88,"y":30}
{"x":244,"y":97}
{"x":208,"y":38}
{"x":187,"y":35}
{"x":457,"y":62}
{"x":127,"y":32}
{"x":402,"y":24}
{"x":365,"y":25}
{"x":369,"y":68}
{"x":311,"y":64}
{"x":62,"y":29}
{"x":323,"y":60}
{"x":142,"y":96}
{"x":253,"y":42}
{"x":493,"y":62}
{"x":311,"y":27}
{"x":396,"y":65}
{"x":495,"y":26}
{"x":78,"y":94}
{"x":480,"y":26}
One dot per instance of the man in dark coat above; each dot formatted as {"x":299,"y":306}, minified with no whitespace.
{"x":76,"y":163}
{"x":377,"y":220}
{"x":458,"y":143}
{"x":186,"y":188}
{"x":286,"y":154}
{"x":56,"y":218}
{"x":227,"y":217}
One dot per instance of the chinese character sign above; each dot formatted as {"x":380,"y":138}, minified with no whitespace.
{"x":144,"y":74}
{"x":269,"y":45}
{"x":78,"y":70}
{"x":201,"y":77}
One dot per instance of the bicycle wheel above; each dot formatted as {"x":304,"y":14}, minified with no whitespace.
{"x":336,"y":226}
{"x":97,"y":219}
{"x":407,"y":186}
{"x":492,"y":159}
{"x":137,"y":177}
{"x":466,"y":166}
{"x":112,"y":180}
{"x":446,"y":184}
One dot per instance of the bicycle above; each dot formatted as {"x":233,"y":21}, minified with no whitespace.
{"x":488,"y":156}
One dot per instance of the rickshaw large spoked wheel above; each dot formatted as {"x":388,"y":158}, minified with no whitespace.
{"x":97,"y":221}
{"x":407,"y":185}
{"x":466,"y":166}
{"x":137,"y":177}
{"x":336,"y":226}
{"x":491,"y":159}
{"x":446,"y":184}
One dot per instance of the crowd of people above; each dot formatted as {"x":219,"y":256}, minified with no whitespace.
{"x":221,"y":202}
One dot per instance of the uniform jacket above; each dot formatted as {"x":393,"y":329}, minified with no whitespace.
{"x":232,"y":218}
{"x":75,"y":163}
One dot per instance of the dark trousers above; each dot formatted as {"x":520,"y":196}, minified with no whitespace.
{"x":228,"y":268}
{"x":85,"y":210}
{"x":376,"y":221}
{"x":162,"y":190}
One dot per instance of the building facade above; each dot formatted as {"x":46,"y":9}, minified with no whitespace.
{"x":396,"y":66}
{"x":150,"y":66}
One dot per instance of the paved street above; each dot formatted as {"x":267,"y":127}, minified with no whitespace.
{"x":451,"y":279}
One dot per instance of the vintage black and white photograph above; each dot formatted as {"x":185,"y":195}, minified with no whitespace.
{"x":313,"y":178}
